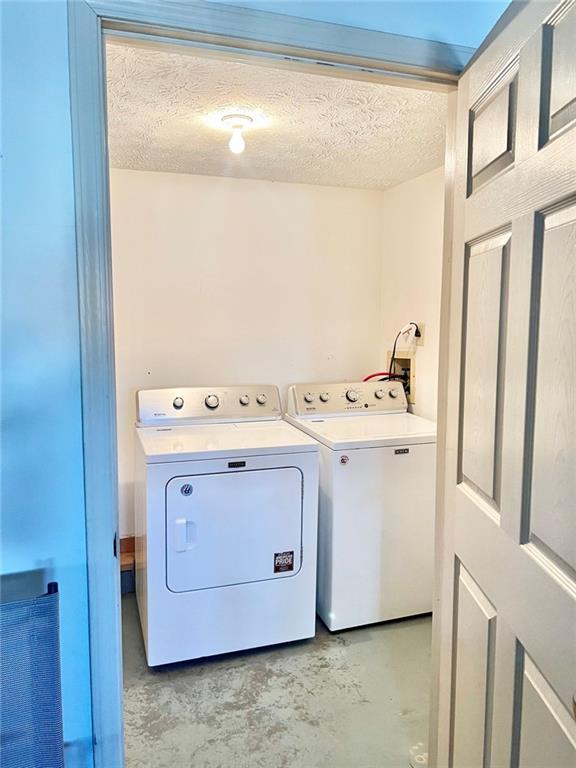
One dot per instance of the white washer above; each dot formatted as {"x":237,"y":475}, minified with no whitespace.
{"x":226,"y":505}
{"x":377,"y":488}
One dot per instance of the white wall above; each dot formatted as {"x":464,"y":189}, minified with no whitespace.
{"x":235,"y":281}
{"x":412,"y":218}
{"x":229,"y":281}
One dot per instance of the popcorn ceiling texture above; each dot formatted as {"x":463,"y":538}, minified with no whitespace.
{"x":320,"y":130}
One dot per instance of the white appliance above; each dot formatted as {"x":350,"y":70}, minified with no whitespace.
{"x":377,"y":487}
{"x":226,"y":507}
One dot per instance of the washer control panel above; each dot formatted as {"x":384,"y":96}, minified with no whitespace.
{"x":256,"y":402}
{"x":353,"y":398}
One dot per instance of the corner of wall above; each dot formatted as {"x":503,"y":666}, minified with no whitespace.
{"x":412,"y":246}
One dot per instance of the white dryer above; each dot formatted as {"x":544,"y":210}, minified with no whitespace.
{"x":377,"y":489}
{"x":226,"y":502}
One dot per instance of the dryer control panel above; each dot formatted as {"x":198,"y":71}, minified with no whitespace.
{"x":347,"y":398}
{"x":181,"y":405}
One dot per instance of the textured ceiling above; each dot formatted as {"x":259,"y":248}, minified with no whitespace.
{"x":164,"y":108}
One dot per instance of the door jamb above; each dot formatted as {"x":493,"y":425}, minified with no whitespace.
{"x":342,"y":50}
{"x":442,"y":570}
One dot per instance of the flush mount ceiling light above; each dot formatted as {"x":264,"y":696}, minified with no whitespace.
{"x":237,"y":123}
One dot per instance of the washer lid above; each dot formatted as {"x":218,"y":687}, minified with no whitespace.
{"x":368,"y":431}
{"x":213,"y":441}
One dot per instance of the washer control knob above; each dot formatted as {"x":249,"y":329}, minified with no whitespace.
{"x":352,"y":395}
{"x":324,"y":396}
{"x":309,"y":397}
{"x":379,"y":394}
{"x":393,"y":393}
{"x":212,"y":401}
{"x":178,"y":403}
{"x":244,"y":399}
{"x":261,"y":399}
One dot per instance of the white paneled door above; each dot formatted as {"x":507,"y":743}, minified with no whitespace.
{"x":507,"y":682}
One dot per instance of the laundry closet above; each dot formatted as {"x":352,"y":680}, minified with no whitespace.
{"x":271,"y":227}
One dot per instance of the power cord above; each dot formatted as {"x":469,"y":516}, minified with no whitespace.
{"x":390,"y":375}
{"x":402,"y":331}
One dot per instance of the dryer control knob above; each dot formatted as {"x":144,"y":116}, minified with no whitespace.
{"x":178,"y":403}
{"x":393,"y":392}
{"x":352,"y":395}
{"x":261,"y":399}
{"x":379,"y":393}
{"x":212,"y":401}
{"x":324,"y":396}
{"x":309,"y":397}
{"x":244,"y":399}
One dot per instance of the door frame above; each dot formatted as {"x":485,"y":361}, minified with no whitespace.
{"x":227,"y":31}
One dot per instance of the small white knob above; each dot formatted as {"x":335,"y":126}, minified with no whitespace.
{"x":261,"y":399}
{"x":212,"y":401}
{"x":324,"y":396}
{"x":352,"y":395}
{"x":393,"y":393}
{"x":178,"y":403}
{"x":244,"y":399}
{"x":309,"y":397}
{"x":379,"y":394}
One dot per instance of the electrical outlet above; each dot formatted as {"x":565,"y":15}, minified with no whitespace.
{"x":420,"y":339}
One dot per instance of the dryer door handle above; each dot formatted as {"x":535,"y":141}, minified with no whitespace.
{"x":184,"y":534}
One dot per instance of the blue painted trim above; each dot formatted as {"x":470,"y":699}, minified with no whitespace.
{"x":98,"y":386}
{"x":261,"y":28}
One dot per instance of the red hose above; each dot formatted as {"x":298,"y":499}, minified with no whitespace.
{"x":375,"y":375}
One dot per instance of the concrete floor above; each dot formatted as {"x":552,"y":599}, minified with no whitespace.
{"x":356,"y":699}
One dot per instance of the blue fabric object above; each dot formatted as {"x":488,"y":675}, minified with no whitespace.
{"x":30,"y":696}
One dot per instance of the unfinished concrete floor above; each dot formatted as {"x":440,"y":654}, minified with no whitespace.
{"x":356,"y":699}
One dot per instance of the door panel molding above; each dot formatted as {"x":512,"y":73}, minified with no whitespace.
{"x":492,"y":131}
{"x":473,"y":673}
{"x":509,"y":196}
{"x":512,"y":565}
{"x":559,"y":102}
{"x":526,"y":19}
{"x":484,"y":315}
{"x":544,"y":729}
{"x":550,"y":489}
{"x":519,"y":361}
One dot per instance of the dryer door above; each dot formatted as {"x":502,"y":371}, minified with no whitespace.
{"x":233,"y":528}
